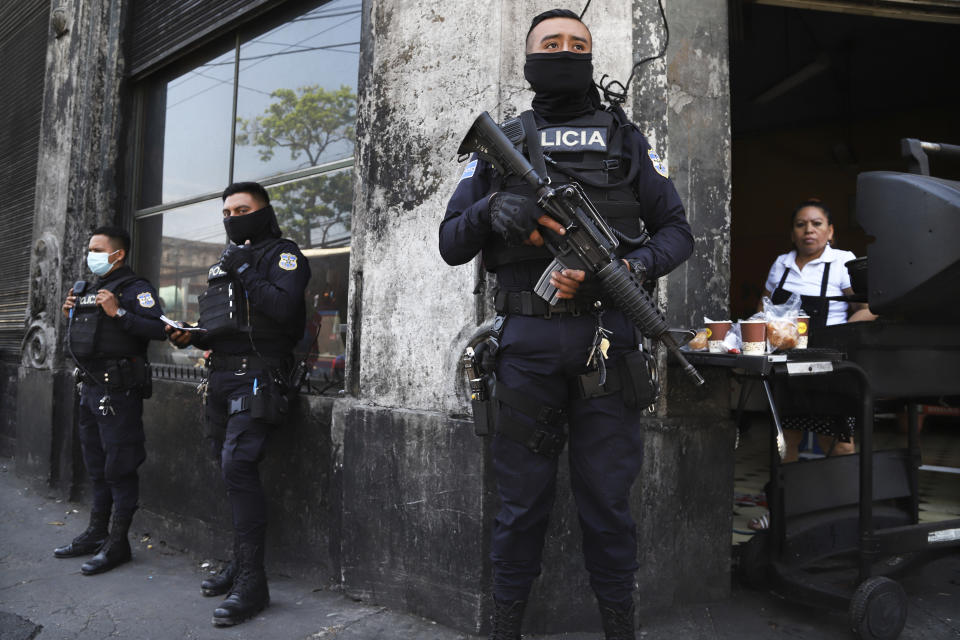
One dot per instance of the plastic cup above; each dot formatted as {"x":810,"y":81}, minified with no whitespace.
{"x":716,"y":332}
{"x":754,"y":335}
{"x":803,"y":330}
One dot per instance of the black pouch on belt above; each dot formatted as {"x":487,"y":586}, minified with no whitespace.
{"x":269,"y":404}
{"x":141,"y":377}
{"x":638,"y":374}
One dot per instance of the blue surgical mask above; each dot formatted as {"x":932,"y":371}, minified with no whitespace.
{"x":99,"y":263}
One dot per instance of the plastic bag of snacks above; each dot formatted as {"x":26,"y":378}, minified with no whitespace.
{"x":781,"y":320}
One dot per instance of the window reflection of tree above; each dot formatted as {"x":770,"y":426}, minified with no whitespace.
{"x":311,"y":123}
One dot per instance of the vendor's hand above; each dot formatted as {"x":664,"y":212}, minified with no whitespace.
{"x":108,"y":302}
{"x":567,"y":282}
{"x":179,"y":338}
{"x":69,"y":303}
{"x":234,"y":257}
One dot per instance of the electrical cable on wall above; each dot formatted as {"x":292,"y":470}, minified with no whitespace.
{"x":614,"y":91}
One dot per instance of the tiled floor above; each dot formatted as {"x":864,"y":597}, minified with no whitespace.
{"x":939,"y":491}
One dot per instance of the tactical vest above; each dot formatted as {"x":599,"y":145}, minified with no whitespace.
{"x":225,"y":309}
{"x":94,"y":334}
{"x":589,"y":150}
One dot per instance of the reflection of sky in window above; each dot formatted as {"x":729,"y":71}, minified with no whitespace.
{"x":196,"y":147}
{"x":320,"y":47}
{"x":201,"y":222}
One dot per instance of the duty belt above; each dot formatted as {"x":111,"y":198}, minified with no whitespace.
{"x":528,"y":303}
{"x":229,"y":362}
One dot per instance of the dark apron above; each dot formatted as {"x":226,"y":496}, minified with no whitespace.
{"x":809,"y":403}
{"x":817,"y":307}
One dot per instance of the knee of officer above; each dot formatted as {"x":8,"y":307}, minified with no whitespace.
{"x":123,"y":460}
{"x":235,"y":469}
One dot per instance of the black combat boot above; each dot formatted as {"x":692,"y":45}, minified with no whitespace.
{"x":617,"y":620}
{"x":219,"y":584}
{"x":249,"y":594}
{"x":507,"y":619}
{"x":87,"y":543}
{"x":115,"y":551}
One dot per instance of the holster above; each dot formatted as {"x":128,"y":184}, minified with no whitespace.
{"x":485,"y":411}
{"x":123,"y":374}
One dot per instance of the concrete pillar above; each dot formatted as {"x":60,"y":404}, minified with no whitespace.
{"x":418,"y":496}
{"x":75,"y":192}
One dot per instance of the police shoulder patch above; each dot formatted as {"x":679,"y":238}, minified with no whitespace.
{"x":469,"y":170}
{"x":146,"y":299}
{"x":288,"y":261}
{"x":657,"y":163}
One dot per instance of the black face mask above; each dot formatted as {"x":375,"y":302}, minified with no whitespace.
{"x":563,"y":83}
{"x":252,"y":226}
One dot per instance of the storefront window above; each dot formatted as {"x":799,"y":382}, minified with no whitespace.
{"x":278,"y":106}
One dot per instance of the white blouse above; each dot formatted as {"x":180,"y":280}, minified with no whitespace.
{"x":807,"y":281}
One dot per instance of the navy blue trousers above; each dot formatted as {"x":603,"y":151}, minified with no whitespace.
{"x":113,"y":447}
{"x":242,"y":443}
{"x":543,"y":358}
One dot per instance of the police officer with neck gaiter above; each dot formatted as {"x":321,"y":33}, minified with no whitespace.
{"x":110,"y":323}
{"x":253,"y":314}
{"x":548,"y":395}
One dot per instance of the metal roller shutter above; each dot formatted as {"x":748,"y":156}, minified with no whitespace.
{"x":164,"y":29}
{"x":24,"y":28}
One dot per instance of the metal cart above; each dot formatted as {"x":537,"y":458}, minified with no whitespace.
{"x":841,"y":528}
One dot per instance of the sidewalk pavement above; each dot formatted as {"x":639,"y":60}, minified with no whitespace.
{"x":157,"y":596}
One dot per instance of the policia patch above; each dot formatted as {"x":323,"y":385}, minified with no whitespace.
{"x":288,"y":261}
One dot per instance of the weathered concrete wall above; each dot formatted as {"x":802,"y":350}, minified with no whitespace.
{"x":8,"y":408}
{"x":416,"y":494}
{"x":683,"y":104}
{"x":75,"y":192}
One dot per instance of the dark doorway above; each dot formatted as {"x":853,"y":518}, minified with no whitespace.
{"x":817,"y":98}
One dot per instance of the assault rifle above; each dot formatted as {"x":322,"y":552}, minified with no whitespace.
{"x":589,"y":244}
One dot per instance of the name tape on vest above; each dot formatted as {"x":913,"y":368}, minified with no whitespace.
{"x":574,"y":139}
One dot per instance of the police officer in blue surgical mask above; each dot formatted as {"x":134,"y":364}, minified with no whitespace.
{"x":544,"y":399}
{"x":252,"y":314}
{"x":110,"y":322}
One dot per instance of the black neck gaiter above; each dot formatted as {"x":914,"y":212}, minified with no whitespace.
{"x":563,"y":84}
{"x":253,"y":226}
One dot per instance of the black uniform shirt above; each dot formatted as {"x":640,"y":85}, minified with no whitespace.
{"x":465,"y":228}
{"x":274,"y":286}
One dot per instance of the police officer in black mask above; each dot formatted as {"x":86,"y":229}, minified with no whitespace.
{"x":542,"y":392}
{"x":110,"y":323}
{"x":252,"y":315}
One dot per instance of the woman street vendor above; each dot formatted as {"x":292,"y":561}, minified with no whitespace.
{"x":816,"y":272}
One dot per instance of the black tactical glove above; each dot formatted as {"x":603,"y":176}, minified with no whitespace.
{"x":513,"y":217}
{"x":235,"y":258}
